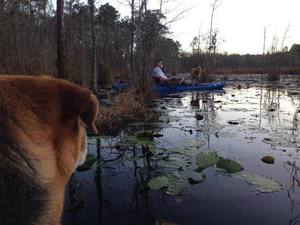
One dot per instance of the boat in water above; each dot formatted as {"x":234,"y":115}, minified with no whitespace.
{"x":162,"y":89}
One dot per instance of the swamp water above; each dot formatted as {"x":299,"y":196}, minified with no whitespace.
{"x":201,"y":162}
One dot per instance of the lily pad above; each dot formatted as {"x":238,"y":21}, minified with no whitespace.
{"x":195,"y":178}
{"x":232,"y":122}
{"x":88,"y":164}
{"x":158,"y":182}
{"x":199,"y":117}
{"x":149,"y":134}
{"x":260,"y":183}
{"x":133,"y":140}
{"x":206,"y":159}
{"x":229,"y":166}
{"x":175,"y":184}
{"x":268,"y":159}
{"x":173,"y":164}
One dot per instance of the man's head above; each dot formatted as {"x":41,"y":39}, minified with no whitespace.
{"x":159,"y":63}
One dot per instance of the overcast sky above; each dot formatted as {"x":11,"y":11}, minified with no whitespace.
{"x":240,"y":22}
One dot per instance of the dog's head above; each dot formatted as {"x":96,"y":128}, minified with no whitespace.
{"x":49,"y":119}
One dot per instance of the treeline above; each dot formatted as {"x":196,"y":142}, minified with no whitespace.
{"x":122,"y":48}
{"x":282,"y":62}
{"x":125,"y":48}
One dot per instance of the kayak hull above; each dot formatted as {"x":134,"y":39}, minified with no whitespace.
{"x":197,"y":87}
{"x":178,"y":88}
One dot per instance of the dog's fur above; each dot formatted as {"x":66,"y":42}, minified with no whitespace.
{"x":196,"y":75}
{"x":43,"y":125}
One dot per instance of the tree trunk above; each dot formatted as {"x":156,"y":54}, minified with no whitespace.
{"x":93,"y":63}
{"x":60,"y":40}
{"x":132,"y":40}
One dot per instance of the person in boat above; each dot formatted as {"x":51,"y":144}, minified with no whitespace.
{"x":160,"y":77}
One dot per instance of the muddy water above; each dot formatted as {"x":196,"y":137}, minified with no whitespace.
{"x":252,"y":118}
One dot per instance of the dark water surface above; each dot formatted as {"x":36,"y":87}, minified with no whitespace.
{"x":266,"y":119}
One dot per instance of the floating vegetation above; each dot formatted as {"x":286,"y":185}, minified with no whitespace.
{"x":206,"y":159}
{"x":233,"y":122}
{"x":172,"y":181}
{"x":134,"y":140}
{"x":180,"y":165}
{"x":268,"y":159}
{"x":194,"y":177}
{"x":260,"y":183}
{"x":148,"y":134}
{"x":158,"y":182}
{"x":229,"y":166}
{"x":175,"y":184}
{"x":199,"y":117}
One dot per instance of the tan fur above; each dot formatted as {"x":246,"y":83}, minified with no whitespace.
{"x":52,"y":118}
{"x":196,"y":74}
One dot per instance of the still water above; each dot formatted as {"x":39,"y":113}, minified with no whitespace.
{"x":251,"y":119}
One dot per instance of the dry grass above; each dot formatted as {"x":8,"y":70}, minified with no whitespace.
{"x":129,"y":106}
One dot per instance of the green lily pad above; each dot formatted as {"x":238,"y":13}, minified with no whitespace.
{"x":175,"y":184}
{"x":149,"y":134}
{"x":88,"y":164}
{"x":133,"y":140}
{"x":173,"y":164}
{"x":194,"y":177}
{"x":206,"y":159}
{"x":158,"y":182}
{"x":229,"y":166}
{"x":260,"y":183}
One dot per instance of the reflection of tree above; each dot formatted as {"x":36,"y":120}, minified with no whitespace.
{"x":74,"y":201}
{"x":271,"y":103}
{"x":204,"y":102}
{"x":296,"y":117}
{"x":98,"y":179}
{"x":141,"y":204}
{"x":293,"y":171}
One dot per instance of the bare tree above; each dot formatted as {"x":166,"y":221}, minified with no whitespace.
{"x":285,"y":35}
{"x":93,"y":61}
{"x":264,"y":44}
{"x":132,"y":39}
{"x":60,"y":40}
{"x":215,"y":4}
{"x":274,"y":46}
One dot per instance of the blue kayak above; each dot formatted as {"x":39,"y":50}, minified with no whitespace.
{"x":177,"y":88}
{"x":196,"y":87}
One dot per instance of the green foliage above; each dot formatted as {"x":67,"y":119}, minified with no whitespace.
{"x":260,"y":183}
{"x":206,"y":159}
{"x":139,"y":140}
{"x":175,"y":184}
{"x":108,"y":15}
{"x":229,"y":166}
{"x":158,"y":182}
{"x":145,"y":134}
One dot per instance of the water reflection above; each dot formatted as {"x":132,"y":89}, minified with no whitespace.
{"x":244,"y":124}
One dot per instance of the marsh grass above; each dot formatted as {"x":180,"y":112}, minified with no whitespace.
{"x":130,"y":106}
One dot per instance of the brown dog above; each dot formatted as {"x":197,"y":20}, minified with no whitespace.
{"x":43,"y":125}
{"x":196,"y":74}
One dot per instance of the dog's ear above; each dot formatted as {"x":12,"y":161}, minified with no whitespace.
{"x":79,"y":102}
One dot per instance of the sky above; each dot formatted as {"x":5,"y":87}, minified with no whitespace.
{"x":240,"y":23}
